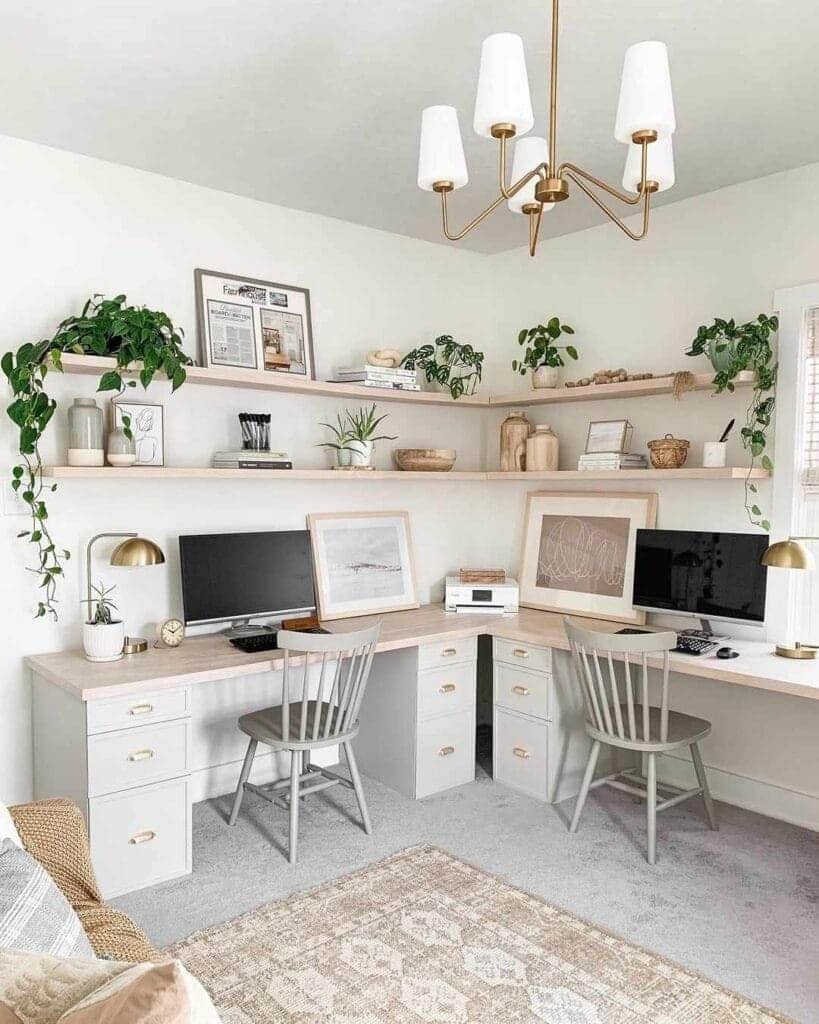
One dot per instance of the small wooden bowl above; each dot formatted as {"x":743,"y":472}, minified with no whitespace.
{"x":669,"y":452}
{"x":425,"y":460}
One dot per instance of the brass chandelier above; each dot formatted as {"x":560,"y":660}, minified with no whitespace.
{"x":503,"y":110}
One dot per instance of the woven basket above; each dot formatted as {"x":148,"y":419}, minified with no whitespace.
{"x":668,"y":453}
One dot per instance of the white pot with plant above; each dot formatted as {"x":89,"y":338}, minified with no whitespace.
{"x":103,"y":636}
{"x":542,"y":355}
{"x":363,"y":424}
{"x":448,"y":364}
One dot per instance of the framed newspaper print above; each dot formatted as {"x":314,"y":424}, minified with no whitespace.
{"x":253,"y":325}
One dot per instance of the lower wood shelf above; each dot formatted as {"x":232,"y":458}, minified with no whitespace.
{"x":558,"y":476}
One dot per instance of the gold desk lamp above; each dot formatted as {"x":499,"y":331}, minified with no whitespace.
{"x":132,"y":552}
{"x":791,"y":554}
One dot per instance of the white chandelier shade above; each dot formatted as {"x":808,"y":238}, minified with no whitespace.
{"x":530,"y":152}
{"x":660,"y":165}
{"x":441,"y":154}
{"x":646,"y":102}
{"x":503,"y":86}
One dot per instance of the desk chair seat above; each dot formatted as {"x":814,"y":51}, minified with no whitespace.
{"x":328,"y":718}
{"x":631,"y":723}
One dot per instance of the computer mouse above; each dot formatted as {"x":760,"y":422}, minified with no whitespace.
{"x":727,"y":652}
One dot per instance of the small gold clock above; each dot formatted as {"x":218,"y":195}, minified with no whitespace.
{"x":171,"y":632}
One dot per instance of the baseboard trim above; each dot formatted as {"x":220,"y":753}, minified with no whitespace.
{"x":207,"y":783}
{"x":751,"y":794}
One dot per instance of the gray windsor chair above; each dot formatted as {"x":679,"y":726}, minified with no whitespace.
{"x":301,"y":724}
{"x":632,"y":724}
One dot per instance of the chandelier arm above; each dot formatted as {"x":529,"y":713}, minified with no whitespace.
{"x":508,"y":192}
{"x":472,"y":224}
{"x":645,"y":196}
{"x":624,"y":197}
{"x":534,"y":228}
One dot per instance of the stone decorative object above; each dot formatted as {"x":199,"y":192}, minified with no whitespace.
{"x":425,"y":460}
{"x":668,"y":452}
{"x":542,"y":450}
{"x":618,"y":376}
{"x":389,"y":357}
{"x":121,"y":449}
{"x":85,"y":434}
{"x":514,"y":432}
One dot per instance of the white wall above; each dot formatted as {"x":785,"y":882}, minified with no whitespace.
{"x":75,"y":225}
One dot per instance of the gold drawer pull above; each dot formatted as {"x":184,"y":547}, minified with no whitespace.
{"x":141,"y":755}
{"x":519,"y":652}
{"x":448,"y":652}
{"x":141,"y":709}
{"x":521,"y":752}
{"x":446,"y":751}
{"x":447,"y":688}
{"x":521,"y":691}
{"x":142,"y":837}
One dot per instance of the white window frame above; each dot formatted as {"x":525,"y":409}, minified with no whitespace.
{"x":791,"y":304}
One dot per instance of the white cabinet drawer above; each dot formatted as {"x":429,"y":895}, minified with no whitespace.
{"x":520,"y":753}
{"x":450,"y":652}
{"x":441,"y":690}
{"x":519,"y":690}
{"x":536,"y":659}
{"x":139,"y":709}
{"x":140,"y":837}
{"x":445,"y":753}
{"x":134,"y":757}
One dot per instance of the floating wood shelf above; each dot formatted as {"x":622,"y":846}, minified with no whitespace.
{"x":265,"y":380}
{"x":278,"y":475}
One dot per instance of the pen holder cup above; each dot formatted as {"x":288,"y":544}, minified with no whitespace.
{"x":714,"y":454}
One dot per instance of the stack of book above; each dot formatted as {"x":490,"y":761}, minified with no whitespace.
{"x":379,"y":377}
{"x":611,"y":460}
{"x":247,"y":458}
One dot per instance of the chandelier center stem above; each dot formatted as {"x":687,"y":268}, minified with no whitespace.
{"x":553,"y":94}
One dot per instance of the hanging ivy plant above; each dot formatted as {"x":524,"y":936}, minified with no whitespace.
{"x":733,"y":348}
{"x":105,"y":327}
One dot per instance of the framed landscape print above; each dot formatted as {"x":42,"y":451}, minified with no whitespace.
{"x":148,"y":428}
{"x":578,"y":552}
{"x":362,"y":562}
{"x":253,"y":324}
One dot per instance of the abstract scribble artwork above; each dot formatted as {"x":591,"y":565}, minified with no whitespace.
{"x":583,"y":553}
{"x":578,"y":552}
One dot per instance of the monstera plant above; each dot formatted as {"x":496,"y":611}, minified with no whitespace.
{"x":105,"y":327}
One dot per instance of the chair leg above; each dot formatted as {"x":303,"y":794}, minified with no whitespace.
{"x":588,"y":775}
{"x":699,"y":768}
{"x":295,"y":766}
{"x":359,"y":789}
{"x":243,"y":776}
{"x":651,"y":806}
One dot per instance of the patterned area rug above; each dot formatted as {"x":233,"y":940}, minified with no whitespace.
{"x":422,"y":938}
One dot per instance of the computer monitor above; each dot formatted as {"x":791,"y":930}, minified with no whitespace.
{"x":701,"y":575}
{"x":238,"y":576}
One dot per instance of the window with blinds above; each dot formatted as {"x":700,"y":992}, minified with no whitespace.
{"x":810,"y":444}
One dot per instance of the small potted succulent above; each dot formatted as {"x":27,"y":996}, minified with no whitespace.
{"x":341,"y":441}
{"x":103,"y":636}
{"x":363,"y":424}
{"x":542,"y":355}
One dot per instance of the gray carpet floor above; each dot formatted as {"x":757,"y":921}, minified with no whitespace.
{"x":738,"y":905}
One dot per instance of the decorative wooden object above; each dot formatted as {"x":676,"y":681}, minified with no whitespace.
{"x":425,"y":460}
{"x":482,"y":575}
{"x":515,"y":430}
{"x":542,"y":450}
{"x":669,"y":452}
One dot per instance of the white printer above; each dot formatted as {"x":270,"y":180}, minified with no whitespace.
{"x":501,"y":598}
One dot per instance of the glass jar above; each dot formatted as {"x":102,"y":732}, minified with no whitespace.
{"x":85,"y":434}
{"x":542,"y":450}
{"x":121,"y":449}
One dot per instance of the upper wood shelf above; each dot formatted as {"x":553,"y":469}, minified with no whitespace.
{"x":262,"y":380}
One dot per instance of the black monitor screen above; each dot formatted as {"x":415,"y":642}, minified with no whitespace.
{"x":236,"y":575}
{"x":710,"y":575}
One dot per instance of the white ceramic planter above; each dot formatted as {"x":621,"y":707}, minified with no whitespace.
{"x":103,"y":641}
{"x":546,"y":377}
{"x":361,"y":453}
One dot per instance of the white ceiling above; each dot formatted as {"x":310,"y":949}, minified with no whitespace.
{"x":315,"y":104}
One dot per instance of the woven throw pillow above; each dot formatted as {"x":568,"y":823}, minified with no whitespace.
{"x":34,"y":915}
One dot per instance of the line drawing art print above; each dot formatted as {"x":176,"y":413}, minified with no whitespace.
{"x":586,"y":554}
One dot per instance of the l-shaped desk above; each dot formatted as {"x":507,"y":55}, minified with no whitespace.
{"x":136,"y":742}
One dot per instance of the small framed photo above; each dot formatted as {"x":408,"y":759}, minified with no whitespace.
{"x":148,"y":428}
{"x":606,"y":436}
{"x":363,"y":563}
{"x":253,"y":324}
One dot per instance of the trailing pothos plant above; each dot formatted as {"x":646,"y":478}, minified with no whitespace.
{"x":746,"y":347}
{"x":105,"y":327}
{"x":449,"y":363}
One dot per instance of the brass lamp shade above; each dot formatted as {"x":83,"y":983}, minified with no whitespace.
{"x":788,"y":554}
{"x":137,"y":551}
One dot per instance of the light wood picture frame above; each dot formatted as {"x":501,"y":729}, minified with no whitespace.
{"x":363,"y":563}
{"x":252,"y":324}
{"x":578,"y":552}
